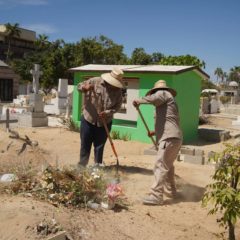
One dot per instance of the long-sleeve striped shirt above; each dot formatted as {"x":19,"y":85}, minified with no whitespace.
{"x":100,"y":99}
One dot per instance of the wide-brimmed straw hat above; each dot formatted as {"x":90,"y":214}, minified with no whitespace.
{"x":161,"y":84}
{"x":114,"y":78}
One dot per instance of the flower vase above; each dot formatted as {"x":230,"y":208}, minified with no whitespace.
{"x":111,"y":204}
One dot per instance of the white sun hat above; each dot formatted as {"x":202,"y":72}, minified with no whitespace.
{"x":114,"y":78}
{"x":161,"y":84}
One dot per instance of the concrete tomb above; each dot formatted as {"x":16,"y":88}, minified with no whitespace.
{"x":28,"y":109}
{"x":59,"y":104}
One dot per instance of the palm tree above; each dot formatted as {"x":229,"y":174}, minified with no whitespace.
{"x":225,"y":78}
{"x":42,"y":41}
{"x":12,"y":31}
{"x":219,"y":73}
{"x":234,"y":74}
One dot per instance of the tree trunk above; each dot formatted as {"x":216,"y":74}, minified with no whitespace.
{"x":231,"y":231}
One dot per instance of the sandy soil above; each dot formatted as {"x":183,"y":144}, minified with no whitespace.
{"x":177,"y":219}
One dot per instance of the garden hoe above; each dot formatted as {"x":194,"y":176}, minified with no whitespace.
{"x":145,"y":124}
{"x":113,"y":147}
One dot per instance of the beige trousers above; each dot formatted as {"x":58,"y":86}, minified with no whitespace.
{"x":164,"y":170}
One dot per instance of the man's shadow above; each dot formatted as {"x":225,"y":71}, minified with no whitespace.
{"x":129,"y":169}
{"x":186,"y":192}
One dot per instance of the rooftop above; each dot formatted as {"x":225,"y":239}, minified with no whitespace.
{"x":140,"y":68}
{"x":25,"y":34}
{"x":3,"y":64}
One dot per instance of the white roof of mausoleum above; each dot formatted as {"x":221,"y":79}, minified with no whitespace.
{"x":140,"y":68}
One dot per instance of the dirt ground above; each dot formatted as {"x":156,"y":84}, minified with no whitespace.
{"x":183,"y":218}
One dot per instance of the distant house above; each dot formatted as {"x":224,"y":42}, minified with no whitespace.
{"x":210,"y":91}
{"x":138,"y":80}
{"x":19,"y":45}
{"x":9,"y":82}
{"x":232,"y":91}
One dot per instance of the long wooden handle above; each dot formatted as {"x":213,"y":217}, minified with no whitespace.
{"x":110,"y":140}
{"x":145,"y":124}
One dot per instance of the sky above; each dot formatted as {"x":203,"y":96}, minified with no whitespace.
{"x":208,"y":29}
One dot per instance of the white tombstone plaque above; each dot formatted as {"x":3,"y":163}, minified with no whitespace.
{"x":62,"y":88}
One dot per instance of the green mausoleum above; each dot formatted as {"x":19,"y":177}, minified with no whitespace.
{"x":138,"y":79}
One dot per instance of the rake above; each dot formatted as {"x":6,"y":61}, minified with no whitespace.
{"x":112,"y":145}
{"x":146,"y":126}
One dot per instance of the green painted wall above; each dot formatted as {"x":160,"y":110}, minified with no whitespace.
{"x":187,"y":84}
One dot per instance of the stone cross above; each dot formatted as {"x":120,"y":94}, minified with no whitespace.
{"x":36,"y":74}
{"x":7,"y":121}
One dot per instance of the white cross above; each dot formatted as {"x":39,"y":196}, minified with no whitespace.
{"x":36,"y":74}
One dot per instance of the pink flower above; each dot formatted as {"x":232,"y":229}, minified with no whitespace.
{"x":114,"y":191}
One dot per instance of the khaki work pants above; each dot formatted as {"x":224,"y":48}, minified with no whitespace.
{"x":164,"y":170}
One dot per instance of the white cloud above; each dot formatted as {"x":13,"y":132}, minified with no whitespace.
{"x":13,"y":3}
{"x":31,"y":2}
{"x":41,"y":28}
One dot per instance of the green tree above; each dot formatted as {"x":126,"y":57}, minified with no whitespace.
{"x":112,"y":52}
{"x":224,"y":78}
{"x":219,"y":73}
{"x":156,"y":57}
{"x":208,"y":84}
{"x":100,"y":50}
{"x":53,"y":59}
{"x":12,"y":32}
{"x":224,"y":193}
{"x":90,"y":51}
{"x":234,"y":74}
{"x":139,"y":56}
{"x":42,"y":42}
{"x":185,"y":60}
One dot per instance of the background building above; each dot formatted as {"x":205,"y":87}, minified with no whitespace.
{"x":19,"y":45}
{"x":8,"y":83}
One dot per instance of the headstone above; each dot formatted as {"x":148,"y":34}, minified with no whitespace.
{"x":204,"y":105}
{"x":21,"y":100}
{"x":215,"y":106}
{"x":62,"y":88}
{"x":236,"y":122}
{"x":29,"y":88}
{"x":36,"y":117}
{"x":59,"y":104}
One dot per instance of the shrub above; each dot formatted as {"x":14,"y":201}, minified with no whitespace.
{"x":224,"y":192}
{"x":67,"y":186}
{"x":115,"y":134}
{"x":225,"y":99}
{"x":126,"y":137}
{"x":70,"y":124}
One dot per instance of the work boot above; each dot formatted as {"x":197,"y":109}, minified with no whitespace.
{"x":170,"y":190}
{"x":169,"y":184}
{"x":99,"y":165}
{"x":152,"y":200}
{"x":170,"y":194}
